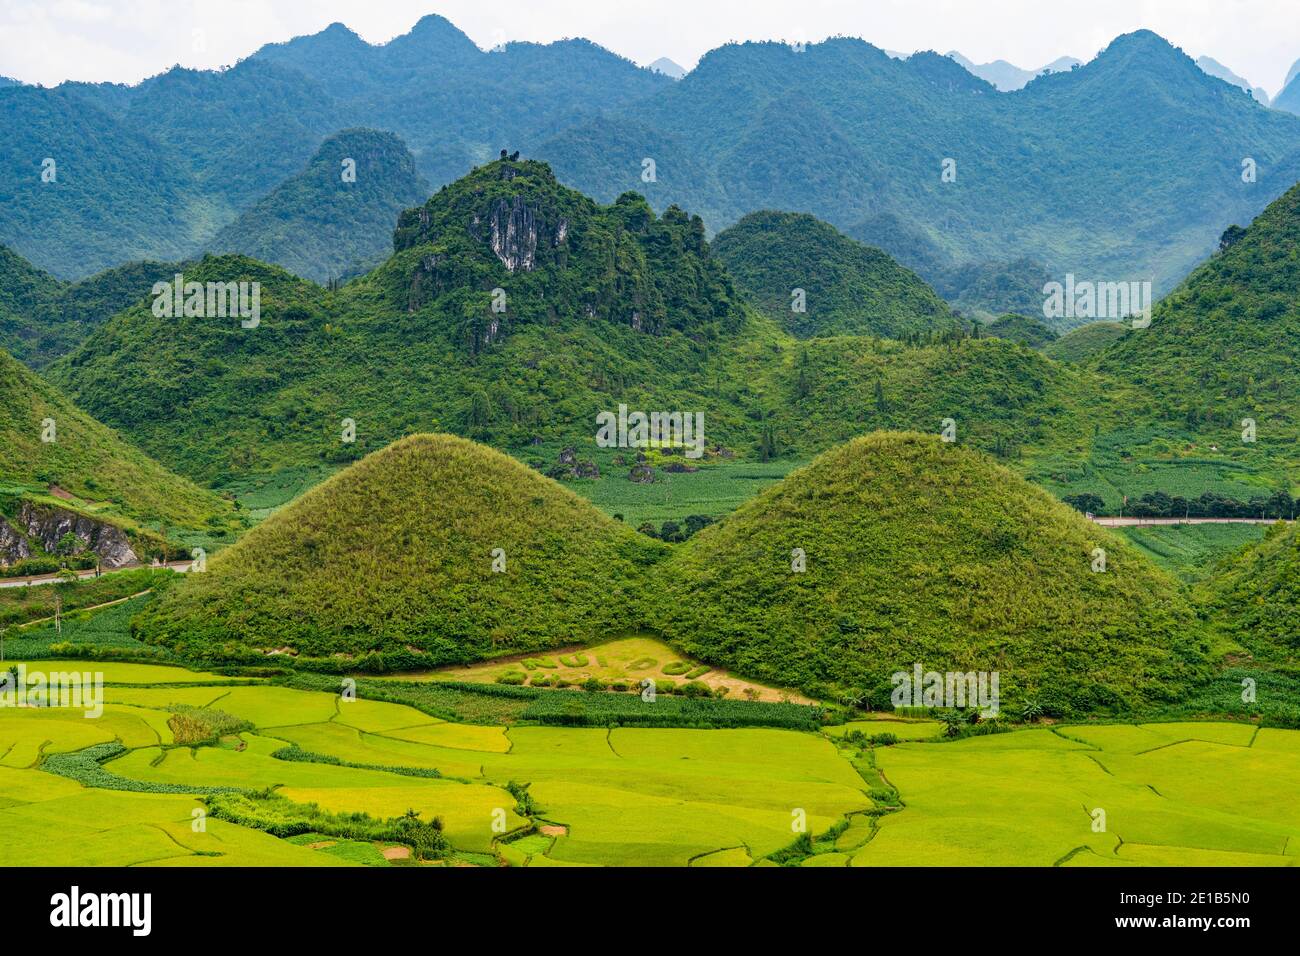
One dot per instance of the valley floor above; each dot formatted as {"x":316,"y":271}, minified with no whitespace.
{"x":1190,"y":793}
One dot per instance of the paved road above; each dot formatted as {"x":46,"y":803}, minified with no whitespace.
{"x":1135,"y":522}
{"x":38,"y":580}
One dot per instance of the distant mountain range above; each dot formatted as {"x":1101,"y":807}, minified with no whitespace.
{"x":1007,"y":76}
{"x":668,"y":68}
{"x":982,"y":194}
{"x":1214,"y":68}
{"x":334,"y":219}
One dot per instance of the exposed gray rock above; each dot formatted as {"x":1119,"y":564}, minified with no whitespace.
{"x":48,"y":525}
{"x":13,"y":546}
{"x":514,"y":234}
{"x":642,"y":474}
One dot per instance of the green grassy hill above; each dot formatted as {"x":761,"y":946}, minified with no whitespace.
{"x":848,"y":288}
{"x":1081,"y":344}
{"x":1225,"y":345}
{"x":919,"y":551}
{"x":395,"y":556}
{"x":320,"y":225}
{"x":98,"y":472}
{"x":1253,"y":598}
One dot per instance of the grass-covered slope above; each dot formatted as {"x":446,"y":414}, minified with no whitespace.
{"x":88,"y":461}
{"x":395,"y":555}
{"x":848,"y":288}
{"x":1225,"y":345}
{"x":1081,"y":344}
{"x":1253,"y":598}
{"x":332,"y":219}
{"x":923,"y":552}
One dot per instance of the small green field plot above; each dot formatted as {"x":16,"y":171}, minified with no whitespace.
{"x":901,"y":729}
{"x":376,"y":715}
{"x":108,"y":627}
{"x":456,"y":736}
{"x":51,"y":821}
{"x":347,"y":744}
{"x":1171,"y":794}
{"x":664,"y":797}
{"x":114,"y":672}
{"x":717,"y":489}
{"x":1190,"y":551}
{"x":283,"y":706}
{"x":735,"y":856}
{"x":468,"y":811}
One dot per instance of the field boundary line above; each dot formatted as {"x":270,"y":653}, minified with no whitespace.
{"x":1104,"y":768}
{"x":1198,"y":740}
{"x":1082,"y":848}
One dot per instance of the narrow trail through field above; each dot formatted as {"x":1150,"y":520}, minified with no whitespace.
{"x":93,"y":607}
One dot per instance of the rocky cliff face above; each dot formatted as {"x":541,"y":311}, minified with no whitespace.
{"x":47,"y":526}
{"x":13,"y":546}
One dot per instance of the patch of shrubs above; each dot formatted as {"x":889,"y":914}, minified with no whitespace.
{"x":676,"y":668}
{"x":271,"y":813}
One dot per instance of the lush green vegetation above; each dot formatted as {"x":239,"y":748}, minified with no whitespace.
{"x":432,"y":551}
{"x":1191,"y":551}
{"x":1254,"y":598}
{"x":1081,"y":344}
{"x":42,"y":318}
{"x":24,"y":605}
{"x":323,"y":226}
{"x":94,"y":469}
{"x":847,"y":288}
{"x":1023,"y":329}
{"x":1220,"y":351}
{"x":154,"y":170}
{"x":920,"y":551}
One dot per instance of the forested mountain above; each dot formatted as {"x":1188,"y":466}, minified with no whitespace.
{"x":1008,"y":77}
{"x":513,"y":309}
{"x":1225,"y":346}
{"x":1289,"y":98}
{"x":1026,"y":330}
{"x":156,"y":169}
{"x":42,"y":318}
{"x":816,"y":281}
{"x":454,"y":104}
{"x":1214,"y":68}
{"x":1058,"y":171}
{"x":841,"y":131}
{"x":335,"y":218}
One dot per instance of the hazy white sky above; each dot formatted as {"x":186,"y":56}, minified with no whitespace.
{"x":46,"y":41}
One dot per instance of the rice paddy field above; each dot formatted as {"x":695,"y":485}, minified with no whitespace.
{"x":136,"y":784}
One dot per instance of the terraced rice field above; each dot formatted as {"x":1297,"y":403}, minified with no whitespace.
{"x":526,"y":795}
